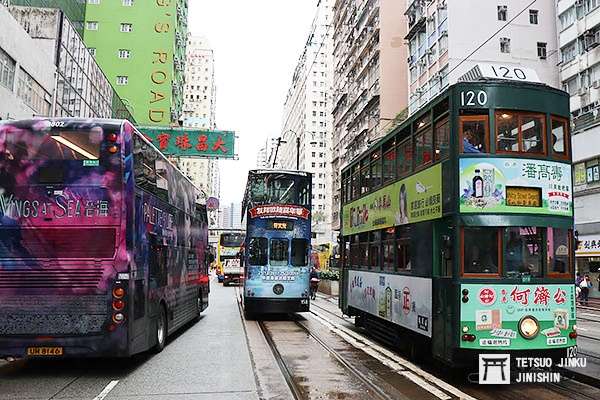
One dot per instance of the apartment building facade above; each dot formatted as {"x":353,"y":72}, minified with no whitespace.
{"x":444,"y":45}
{"x":369,"y":80}
{"x":579,"y":41}
{"x":307,"y":122}
{"x":141,"y":49}
{"x":199,"y":111}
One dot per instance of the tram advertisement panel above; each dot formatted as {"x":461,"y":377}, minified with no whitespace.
{"x":495,"y":314}
{"x":515,"y":185}
{"x":414,"y":199}
{"x":404,"y":300}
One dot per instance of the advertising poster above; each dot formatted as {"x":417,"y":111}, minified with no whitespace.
{"x":414,"y":199}
{"x":277,"y":281}
{"x":493,"y":313}
{"x":512,"y":185}
{"x":404,"y":300}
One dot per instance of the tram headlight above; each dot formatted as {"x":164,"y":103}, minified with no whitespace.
{"x":529,"y":327}
{"x":465,"y":329}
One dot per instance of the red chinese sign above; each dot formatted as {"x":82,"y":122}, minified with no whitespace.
{"x":193,"y":143}
{"x":279,"y":211}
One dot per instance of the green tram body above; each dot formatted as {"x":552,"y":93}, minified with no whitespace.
{"x":408,"y":274}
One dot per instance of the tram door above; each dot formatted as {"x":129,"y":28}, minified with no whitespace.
{"x":443,"y":292}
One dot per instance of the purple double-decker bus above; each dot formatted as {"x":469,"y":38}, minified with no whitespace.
{"x":102,"y":241}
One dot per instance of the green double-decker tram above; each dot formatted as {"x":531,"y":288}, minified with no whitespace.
{"x":457,"y":226}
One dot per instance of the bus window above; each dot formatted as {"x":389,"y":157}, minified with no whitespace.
{"x":523,"y":250}
{"x":279,"y":252}
{"x":560,"y":137}
{"x":299,"y":251}
{"x":257,"y":251}
{"x":480,"y":251}
{"x":559,"y":251}
{"x":474,"y":133}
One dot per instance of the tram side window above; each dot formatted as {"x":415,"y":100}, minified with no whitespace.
{"x":375,"y":249}
{"x":299,"y":252}
{"x":355,"y":252}
{"x":404,"y":158}
{"x":278,"y":255}
{"x":389,"y":165}
{"x":363,"y":251}
{"x":389,"y":244}
{"x":403,"y":248}
{"x":356,"y":182}
{"x":560,"y":137}
{"x":257,"y":251}
{"x":480,"y":249}
{"x":523,"y":250}
{"x":442,"y":139}
{"x":423,"y":144}
{"x":474,"y":133}
{"x":559,"y":251}
{"x":364,"y":176}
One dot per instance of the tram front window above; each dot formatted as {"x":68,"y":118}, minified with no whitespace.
{"x":523,"y":251}
{"x":481,"y":250}
{"x":278,"y":255}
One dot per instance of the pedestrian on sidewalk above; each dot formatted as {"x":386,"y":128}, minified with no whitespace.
{"x":585,"y":285}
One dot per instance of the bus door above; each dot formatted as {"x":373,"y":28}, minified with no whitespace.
{"x":443,"y":289}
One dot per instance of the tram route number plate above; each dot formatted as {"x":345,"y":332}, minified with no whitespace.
{"x":45,"y":351}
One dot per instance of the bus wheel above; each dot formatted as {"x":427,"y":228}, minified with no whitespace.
{"x":161,"y":331}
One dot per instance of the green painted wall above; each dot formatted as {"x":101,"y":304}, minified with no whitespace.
{"x":154,"y":91}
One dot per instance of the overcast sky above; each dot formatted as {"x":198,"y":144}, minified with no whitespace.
{"x":256,"y":44}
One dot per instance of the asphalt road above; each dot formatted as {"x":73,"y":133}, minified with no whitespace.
{"x":207,"y":360}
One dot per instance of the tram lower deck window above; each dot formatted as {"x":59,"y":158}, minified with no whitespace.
{"x":480,"y":250}
{"x":523,"y":250}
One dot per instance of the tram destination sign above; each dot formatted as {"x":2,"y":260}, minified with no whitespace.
{"x":185,"y":142}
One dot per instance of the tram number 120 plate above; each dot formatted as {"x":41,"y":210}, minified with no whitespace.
{"x":571,"y":351}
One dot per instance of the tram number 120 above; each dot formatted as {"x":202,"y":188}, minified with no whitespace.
{"x":473,"y":98}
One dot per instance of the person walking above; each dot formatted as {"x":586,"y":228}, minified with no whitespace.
{"x":585,"y":285}
{"x":314,"y":283}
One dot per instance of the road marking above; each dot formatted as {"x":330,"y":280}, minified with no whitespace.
{"x":579,"y":328}
{"x":106,"y":390}
{"x":397,"y":363}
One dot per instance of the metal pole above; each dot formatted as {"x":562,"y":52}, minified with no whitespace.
{"x":276,"y":150}
{"x":298,"y":153}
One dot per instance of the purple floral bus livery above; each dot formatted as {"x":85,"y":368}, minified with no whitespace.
{"x":102,"y":241}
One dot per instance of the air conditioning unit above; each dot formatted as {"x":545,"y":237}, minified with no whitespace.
{"x":444,"y":33}
{"x":596,"y":84}
{"x":431,"y":18}
{"x":582,"y":91}
{"x":410,"y":59}
{"x":591,"y":39}
{"x":578,"y":3}
{"x":441,"y":6}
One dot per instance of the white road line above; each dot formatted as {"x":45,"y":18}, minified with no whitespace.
{"x":401,"y":364}
{"x":581,"y":329}
{"x":106,"y":390}
{"x":588,"y":314}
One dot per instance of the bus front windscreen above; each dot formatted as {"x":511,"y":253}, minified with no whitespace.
{"x":232,"y":239}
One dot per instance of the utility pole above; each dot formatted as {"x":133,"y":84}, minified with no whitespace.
{"x":276,"y":150}
{"x":297,"y":152}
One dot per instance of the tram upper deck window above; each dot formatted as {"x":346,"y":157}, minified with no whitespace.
{"x":257,"y":251}
{"x":404,"y":157}
{"x":559,"y":251}
{"x":520,"y":132}
{"x":560,"y":137}
{"x":480,"y":251}
{"x":474,"y":133}
{"x":523,"y":251}
{"x":442,"y":139}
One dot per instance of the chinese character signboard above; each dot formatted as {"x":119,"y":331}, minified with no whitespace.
{"x":493,"y":313}
{"x":512,"y":185}
{"x":589,"y":246}
{"x":414,"y":199}
{"x":192,"y":143}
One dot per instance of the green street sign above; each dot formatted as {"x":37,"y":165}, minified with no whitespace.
{"x":192,"y":142}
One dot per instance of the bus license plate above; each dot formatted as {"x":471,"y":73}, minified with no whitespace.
{"x":45,"y":351}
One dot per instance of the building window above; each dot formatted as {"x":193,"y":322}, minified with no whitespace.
{"x":567,"y":18}
{"x":92,"y":51}
{"x":126,"y":27}
{"x":541,"y":50}
{"x":569,"y":52}
{"x":7,"y":70}
{"x":33,"y":94}
{"x":128,"y":3}
{"x":93,"y":1}
{"x":533,"y":17}
{"x":124,"y":53}
{"x":502,"y":12}
{"x":504,"y":45}
{"x":122,"y":80}
{"x":91,"y":25}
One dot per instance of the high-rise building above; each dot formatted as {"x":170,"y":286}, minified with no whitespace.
{"x":199,"y":110}
{"x":231,"y":216}
{"x":579,"y":43}
{"x":370,"y":79}
{"x":79,"y":89}
{"x":73,"y":9}
{"x":443,"y":45}
{"x":307,"y":121}
{"x":140,"y":46}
